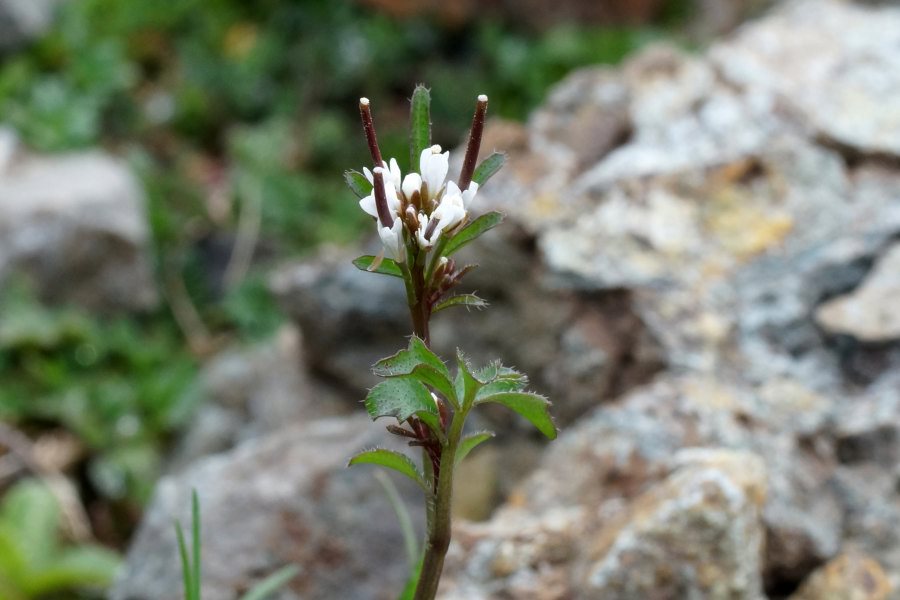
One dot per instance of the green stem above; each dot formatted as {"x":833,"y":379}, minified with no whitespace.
{"x":439,"y":526}
{"x":417,"y":276}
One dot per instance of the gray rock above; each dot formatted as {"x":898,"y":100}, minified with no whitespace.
{"x":249,"y":392}
{"x":24,"y":20}
{"x":697,"y":535}
{"x":75,"y":226}
{"x":850,"y":576}
{"x":834,"y":70}
{"x":285,"y":499}
{"x":869,"y":313}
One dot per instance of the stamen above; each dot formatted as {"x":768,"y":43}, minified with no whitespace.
{"x":369,"y":127}
{"x":474,"y":145}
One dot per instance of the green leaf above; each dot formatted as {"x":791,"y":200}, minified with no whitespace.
{"x":388,"y":266}
{"x":472,"y":231}
{"x":470,"y":300}
{"x":186,"y":573}
{"x":399,"y":397}
{"x":487,"y":373}
{"x":32,"y":513}
{"x":405,"y":361}
{"x":466,"y":384}
{"x":500,"y":385}
{"x":419,"y":125}
{"x":272,"y":583}
{"x":390,"y":460}
{"x":534,"y":407}
{"x":14,"y":569}
{"x":497,"y":378}
{"x":358,"y":183}
{"x":488,"y":167}
{"x":420,"y":363}
{"x":468,"y":443}
{"x":84,"y":566}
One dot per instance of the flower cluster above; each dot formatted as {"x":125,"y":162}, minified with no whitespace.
{"x":416,"y":210}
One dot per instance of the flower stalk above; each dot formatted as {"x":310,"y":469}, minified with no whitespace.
{"x":422,"y":219}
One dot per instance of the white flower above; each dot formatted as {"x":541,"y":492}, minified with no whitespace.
{"x":424,"y":242}
{"x":392,"y":239}
{"x":449,"y":213}
{"x":392,"y":173}
{"x":390,"y":192}
{"x":433,"y":167}
{"x":412,"y":183}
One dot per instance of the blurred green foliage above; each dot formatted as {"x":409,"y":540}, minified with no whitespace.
{"x":120,"y":385}
{"x":270,"y":88}
{"x":34,"y":563}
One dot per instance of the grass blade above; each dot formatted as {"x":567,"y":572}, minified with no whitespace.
{"x":272,"y":583}
{"x":195,"y":535}
{"x":186,"y":572}
{"x":406,"y":525}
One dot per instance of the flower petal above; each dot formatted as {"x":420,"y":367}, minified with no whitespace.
{"x":411,"y":183}
{"x":368,"y":205}
{"x":469,"y":194}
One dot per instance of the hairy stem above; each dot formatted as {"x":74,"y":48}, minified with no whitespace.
{"x":420,"y":311}
{"x":439,"y":525}
{"x":417,"y":277}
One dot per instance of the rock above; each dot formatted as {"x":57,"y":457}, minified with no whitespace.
{"x":848,"y":577}
{"x":602,"y":466}
{"x":697,"y":535}
{"x":24,"y":20}
{"x":286,"y":498}
{"x":803,"y":62}
{"x":582,"y":550}
{"x":869,"y":313}
{"x":350,"y":319}
{"x":9,"y":146}
{"x":250,"y":392}
{"x":74,"y":225}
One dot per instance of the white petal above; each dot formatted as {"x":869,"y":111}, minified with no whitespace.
{"x":452,"y":189}
{"x":392,"y":240}
{"x":424,"y":242}
{"x":434,"y":167}
{"x":395,"y":173}
{"x":424,"y":159}
{"x":411,"y":183}
{"x":368,"y":205}
{"x":469,"y":194}
{"x":450,"y":212}
{"x":369,"y":175}
{"x":393,"y":201}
